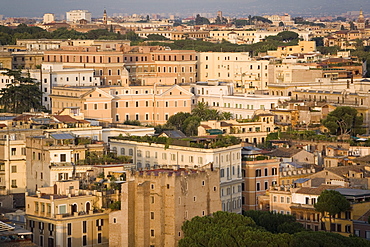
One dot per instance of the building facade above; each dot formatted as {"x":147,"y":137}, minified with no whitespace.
{"x":227,"y":159}
{"x":181,"y":194}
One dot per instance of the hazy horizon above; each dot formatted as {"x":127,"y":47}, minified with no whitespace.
{"x":36,"y":8}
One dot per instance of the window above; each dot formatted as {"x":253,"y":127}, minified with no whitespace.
{"x":258,"y":172}
{"x":69,"y":229}
{"x":152,"y":233}
{"x":348,"y":228}
{"x":266,"y":172}
{"x":84,"y":240}
{"x":69,"y":242}
{"x":14,"y":183}
{"x":63,"y":157}
{"x":99,"y":238}
{"x":14,"y":151}
{"x":14,"y":169}
{"x":222,"y":173}
{"x":84,"y":226}
{"x":152,"y":215}
{"x":62,"y":209}
{"x":274,"y":171}
{"x":266,"y":185}
{"x":41,"y":241}
{"x":258,"y":186}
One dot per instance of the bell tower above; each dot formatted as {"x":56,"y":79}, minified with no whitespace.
{"x":105,"y":20}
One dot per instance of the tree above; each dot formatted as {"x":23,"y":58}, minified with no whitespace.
{"x":319,"y":41}
{"x":344,"y":120}
{"x":331,"y":202}
{"x":131,"y":35}
{"x":228,"y":229}
{"x":190,"y":126}
{"x":261,"y":19}
{"x":326,"y":239}
{"x":275,"y":222}
{"x":201,"y":20}
{"x":288,"y":36}
{"x":22,"y":95}
{"x":132,"y":122}
{"x":178,"y":119}
{"x":156,"y":37}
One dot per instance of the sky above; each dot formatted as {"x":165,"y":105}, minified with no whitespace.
{"x":36,"y":8}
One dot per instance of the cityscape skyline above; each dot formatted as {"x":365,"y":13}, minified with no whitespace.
{"x":238,"y":8}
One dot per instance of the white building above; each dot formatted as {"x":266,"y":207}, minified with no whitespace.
{"x":227,"y":159}
{"x":76,"y":15}
{"x":237,"y":67}
{"x":53,"y":74}
{"x":48,"y":18}
{"x":242,"y":106}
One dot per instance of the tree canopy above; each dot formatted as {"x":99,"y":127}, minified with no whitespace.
{"x":189,"y":122}
{"x":275,"y":223}
{"x":199,"y":20}
{"x":23,"y":94}
{"x":344,"y":120}
{"x":230,"y":229}
{"x":332,"y":203}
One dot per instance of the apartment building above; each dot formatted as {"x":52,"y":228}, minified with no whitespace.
{"x":77,"y":15}
{"x":302,"y":47}
{"x":258,"y":176}
{"x":64,"y":215}
{"x":27,"y":59}
{"x":250,"y":132}
{"x":300,"y":202}
{"x":42,"y":44}
{"x":181,"y":194}
{"x":115,"y":104}
{"x":220,"y":96}
{"x":247,"y":75}
{"x":54,"y":157}
{"x":182,"y":154}
{"x":53,"y":74}
{"x":145,"y":65}
{"x":290,"y":73}
{"x":339,"y":94}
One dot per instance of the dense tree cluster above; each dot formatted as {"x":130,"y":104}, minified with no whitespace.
{"x":271,"y":43}
{"x":275,"y":223}
{"x":344,"y":120}
{"x":229,"y":229}
{"x":9,"y":36}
